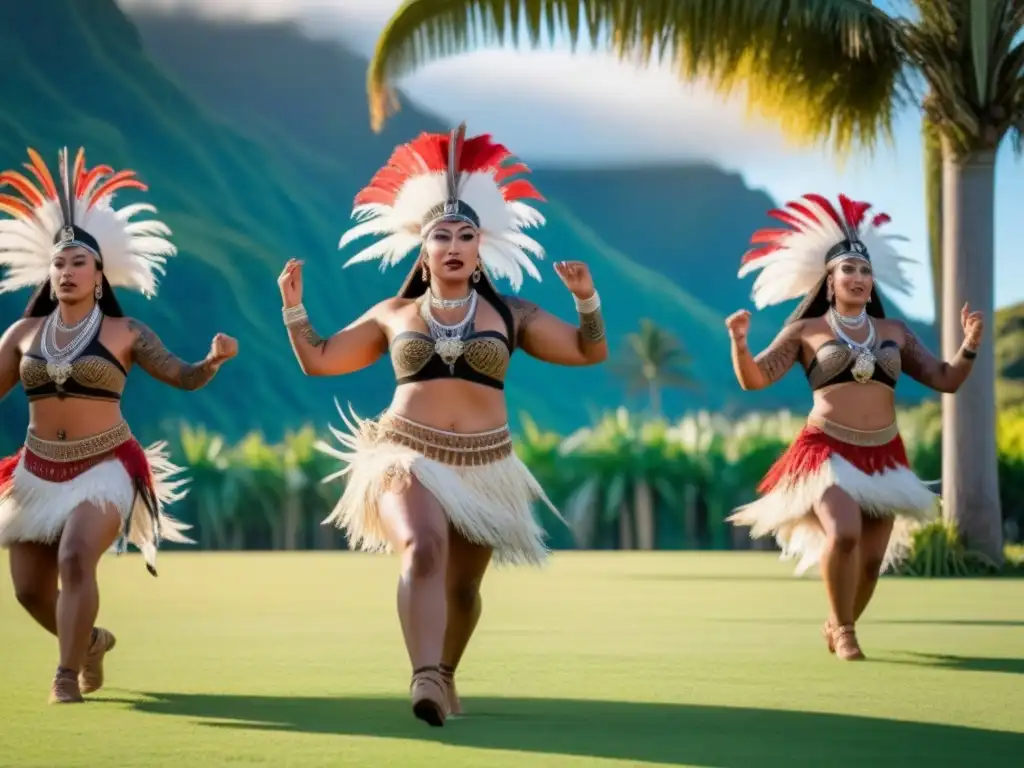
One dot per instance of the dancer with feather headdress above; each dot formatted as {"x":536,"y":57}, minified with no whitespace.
{"x":81,"y":482}
{"x":435,"y":478}
{"x":843,"y":495}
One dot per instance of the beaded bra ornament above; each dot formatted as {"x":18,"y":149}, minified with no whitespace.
{"x":446,"y":177}
{"x":794,"y":261}
{"x":47,"y":218}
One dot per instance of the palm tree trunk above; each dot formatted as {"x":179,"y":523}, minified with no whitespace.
{"x":643,"y":508}
{"x":625,"y":527}
{"x":970,"y":481}
{"x":655,"y":396}
{"x":933,"y":173}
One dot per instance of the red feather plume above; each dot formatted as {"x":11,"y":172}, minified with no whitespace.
{"x":428,"y":153}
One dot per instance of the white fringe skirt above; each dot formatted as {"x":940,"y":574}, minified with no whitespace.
{"x":485,"y":490}
{"x":43,"y":483}
{"x":872,"y":467}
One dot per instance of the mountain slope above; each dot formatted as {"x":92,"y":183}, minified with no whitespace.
{"x":243,"y":196}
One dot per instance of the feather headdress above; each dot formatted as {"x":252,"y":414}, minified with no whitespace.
{"x":49,"y":216}
{"x":447,"y":177}
{"x":794,"y":260}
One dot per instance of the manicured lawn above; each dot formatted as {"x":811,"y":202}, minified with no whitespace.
{"x":295,"y":659}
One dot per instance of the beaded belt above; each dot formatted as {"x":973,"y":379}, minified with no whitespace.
{"x":474,"y":449}
{"x":864,"y":438}
{"x":62,"y":451}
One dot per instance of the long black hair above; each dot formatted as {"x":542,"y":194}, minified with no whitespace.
{"x":816,"y":304}
{"x":43,"y":303}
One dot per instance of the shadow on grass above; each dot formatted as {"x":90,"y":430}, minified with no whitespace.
{"x":867,"y":622}
{"x":665,"y":734}
{"x":961,"y":663}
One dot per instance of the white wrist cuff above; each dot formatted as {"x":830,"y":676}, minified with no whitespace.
{"x":587,"y":306}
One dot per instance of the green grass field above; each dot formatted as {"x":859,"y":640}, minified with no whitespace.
{"x":602,"y":659}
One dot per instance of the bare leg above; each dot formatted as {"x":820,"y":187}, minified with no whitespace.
{"x":34,"y":574}
{"x":467,"y":563}
{"x":840,"y":518}
{"x":88,"y":533}
{"x":874,"y":539}
{"x":418,"y":528}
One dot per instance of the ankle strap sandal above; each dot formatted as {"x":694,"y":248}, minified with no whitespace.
{"x":429,"y":696}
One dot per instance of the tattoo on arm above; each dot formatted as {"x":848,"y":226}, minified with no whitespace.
{"x":592,"y":326}
{"x":150,"y":354}
{"x":310,"y":336}
{"x":775,"y":361}
{"x":921,"y":364}
{"x":523,"y":313}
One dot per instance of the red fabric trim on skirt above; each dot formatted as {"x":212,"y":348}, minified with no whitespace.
{"x":130,"y":453}
{"x":812,"y":448}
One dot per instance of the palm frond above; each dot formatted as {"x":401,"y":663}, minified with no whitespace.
{"x":827,"y":70}
{"x":971,"y":56}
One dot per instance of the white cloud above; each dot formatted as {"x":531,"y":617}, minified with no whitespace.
{"x":550,"y":106}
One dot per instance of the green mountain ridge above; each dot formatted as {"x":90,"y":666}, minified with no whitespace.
{"x":243,"y":196}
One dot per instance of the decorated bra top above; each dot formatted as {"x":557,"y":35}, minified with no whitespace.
{"x":458,"y":351}
{"x":93,"y":373}
{"x":844,"y":361}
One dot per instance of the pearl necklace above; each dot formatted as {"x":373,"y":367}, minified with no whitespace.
{"x":857,"y":321}
{"x":59,"y":361}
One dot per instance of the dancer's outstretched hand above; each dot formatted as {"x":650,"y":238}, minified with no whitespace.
{"x":290,"y":283}
{"x":576,"y":276}
{"x":973,"y":324}
{"x":738,"y":324}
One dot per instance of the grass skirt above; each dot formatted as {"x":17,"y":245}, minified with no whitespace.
{"x":43,"y":483}
{"x":485,"y":490}
{"x":872,"y":467}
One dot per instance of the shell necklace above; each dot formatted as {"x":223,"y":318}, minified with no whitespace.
{"x":59,"y":360}
{"x":449,"y":341}
{"x":864,"y":366}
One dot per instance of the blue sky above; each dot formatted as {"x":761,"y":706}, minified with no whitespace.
{"x":553,"y":107}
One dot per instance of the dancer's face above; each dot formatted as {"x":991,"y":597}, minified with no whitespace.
{"x":452,"y":251}
{"x":852,"y":281}
{"x":74,"y":275}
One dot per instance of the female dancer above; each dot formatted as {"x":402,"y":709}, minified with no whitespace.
{"x":82,"y":481}
{"x":435,"y":478}
{"x":835,"y":495}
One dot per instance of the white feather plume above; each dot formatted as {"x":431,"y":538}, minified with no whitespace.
{"x":505,"y":251}
{"x":134,"y":252}
{"x":798,"y":264}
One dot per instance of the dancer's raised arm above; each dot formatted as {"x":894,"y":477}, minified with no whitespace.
{"x":772,"y":363}
{"x":551,"y":339}
{"x":351,"y":349}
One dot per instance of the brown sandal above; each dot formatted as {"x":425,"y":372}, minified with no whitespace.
{"x":90,"y":679}
{"x":826,"y":632}
{"x":429,"y":696}
{"x":451,"y":693}
{"x":64,"y":689}
{"x":845,"y":640}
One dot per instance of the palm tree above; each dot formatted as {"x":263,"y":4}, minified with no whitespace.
{"x":833,"y":71}
{"x":654,"y":359}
